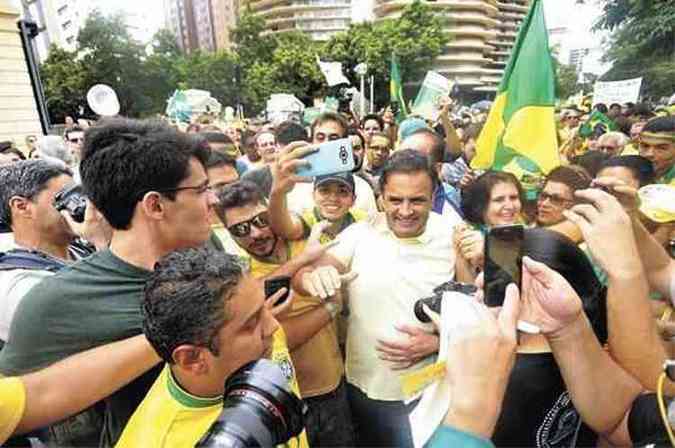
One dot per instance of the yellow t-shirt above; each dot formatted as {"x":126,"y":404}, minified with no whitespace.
{"x":311,"y":218}
{"x":171,"y":417}
{"x":12,"y":406}
{"x":318,"y":362}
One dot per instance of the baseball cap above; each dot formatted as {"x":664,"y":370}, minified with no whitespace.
{"x":346,"y":179}
{"x":410,"y":125}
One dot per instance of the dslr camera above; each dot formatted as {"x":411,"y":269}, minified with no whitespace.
{"x":72,"y":199}
{"x":259,"y":409}
{"x":434,"y":301}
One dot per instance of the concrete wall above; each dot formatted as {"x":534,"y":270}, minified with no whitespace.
{"x":18,"y":110}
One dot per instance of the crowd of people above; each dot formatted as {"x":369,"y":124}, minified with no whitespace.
{"x":121,"y":330}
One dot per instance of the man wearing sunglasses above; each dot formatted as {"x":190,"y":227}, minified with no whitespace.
{"x":558,"y":193}
{"x":74,"y":139}
{"x":149,"y":182}
{"x":310,"y":325}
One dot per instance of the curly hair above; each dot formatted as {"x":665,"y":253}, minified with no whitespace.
{"x":186,"y":299}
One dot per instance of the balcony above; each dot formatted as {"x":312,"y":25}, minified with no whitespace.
{"x":384,"y":8}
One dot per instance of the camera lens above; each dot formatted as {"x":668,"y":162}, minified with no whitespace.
{"x":259,"y":409}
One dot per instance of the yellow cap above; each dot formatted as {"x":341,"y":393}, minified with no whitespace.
{"x":657,"y":202}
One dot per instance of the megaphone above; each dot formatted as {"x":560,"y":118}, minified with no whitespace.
{"x":102,"y":99}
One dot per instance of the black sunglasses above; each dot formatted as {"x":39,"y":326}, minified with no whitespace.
{"x":243,"y":229}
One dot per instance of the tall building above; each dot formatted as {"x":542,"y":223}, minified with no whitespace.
{"x":482,"y":33}
{"x":202,"y":24}
{"x":318,"y":18}
{"x":59,"y":22}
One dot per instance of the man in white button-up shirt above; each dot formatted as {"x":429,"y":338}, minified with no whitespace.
{"x":400,"y":256}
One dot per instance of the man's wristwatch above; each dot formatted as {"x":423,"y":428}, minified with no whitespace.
{"x":332,"y":309}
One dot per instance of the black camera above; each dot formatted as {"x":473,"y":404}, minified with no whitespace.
{"x":434,"y":302}
{"x":72,"y":199}
{"x":344,"y":95}
{"x":259,"y":409}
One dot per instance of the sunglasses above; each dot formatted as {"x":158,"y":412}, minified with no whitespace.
{"x":555,"y":199}
{"x":243,"y":229}
{"x":76,"y":140}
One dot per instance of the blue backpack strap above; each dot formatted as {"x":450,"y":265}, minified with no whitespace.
{"x":30,"y":260}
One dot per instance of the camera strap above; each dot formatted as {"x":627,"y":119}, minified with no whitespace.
{"x":29,"y":260}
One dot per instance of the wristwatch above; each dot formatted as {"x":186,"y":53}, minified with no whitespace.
{"x":332,"y":309}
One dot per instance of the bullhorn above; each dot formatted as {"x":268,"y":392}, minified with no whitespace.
{"x":102,"y":99}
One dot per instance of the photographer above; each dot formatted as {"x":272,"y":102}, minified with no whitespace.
{"x":43,"y":241}
{"x":206,"y":319}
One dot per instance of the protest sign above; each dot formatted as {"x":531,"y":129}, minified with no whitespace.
{"x":434,"y":87}
{"x":620,"y":92}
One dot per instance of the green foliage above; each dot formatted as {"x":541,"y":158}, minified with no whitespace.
{"x":566,"y":79}
{"x":63,"y":81}
{"x":416,"y":37}
{"x":642,"y":42}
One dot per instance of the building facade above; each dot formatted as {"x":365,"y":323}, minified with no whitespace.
{"x":482,"y":33}
{"x":59,"y":22}
{"x":320,"y":19}
{"x":202,"y":24}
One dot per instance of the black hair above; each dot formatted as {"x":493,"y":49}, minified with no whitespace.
{"x":13,"y":150}
{"x":375,"y":117}
{"x":123,"y":159}
{"x":218,"y":159}
{"x":591,"y":161}
{"x":330,"y":116}
{"x":615,"y":105}
{"x":238,"y":194}
{"x":642,"y":168}
{"x":290,"y":131}
{"x":73,"y":129}
{"x":186,"y":299}
{"x":574,"y":177}
{"x":476,"y":196}
{"x":642,"y":110}
{"x":601,"y":107}
{"x":437,"y":148}
{"x":216,"y":137}
{"x":27,"y":179}
{"x":660,"y":124}
{"x":563,"y":256}
{"x":407,"y":161}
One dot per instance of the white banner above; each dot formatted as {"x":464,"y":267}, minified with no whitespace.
{"x":333,"y":72}
{"x":620,"y":92}
{"x":433,"y":88}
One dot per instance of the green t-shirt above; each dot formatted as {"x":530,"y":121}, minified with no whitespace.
{"x":90,"y":303}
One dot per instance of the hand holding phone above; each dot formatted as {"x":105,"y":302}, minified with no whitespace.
{"x":332,"y":157}
{"x":272,"y":285}
{"x":503,"y":262}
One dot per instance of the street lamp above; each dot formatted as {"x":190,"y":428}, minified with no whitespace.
{"x":361,"y":70}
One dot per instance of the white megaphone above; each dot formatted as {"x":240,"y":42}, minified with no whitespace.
{"x":102,"y":99}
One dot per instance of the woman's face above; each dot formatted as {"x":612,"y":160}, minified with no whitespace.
{"x":504,"y":205}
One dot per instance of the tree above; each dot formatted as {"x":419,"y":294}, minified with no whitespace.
{"x":567,"y":78}
{"x":63,"y":81}
{"x":111,"y":56}
{"x":417,"y":38}
{"x":161,"y":69}
{"x":642,"y":42}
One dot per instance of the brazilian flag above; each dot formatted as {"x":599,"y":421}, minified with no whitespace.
{"x":396,"y":89}
{"x":520,"y":127}
{"x":597,"y":122}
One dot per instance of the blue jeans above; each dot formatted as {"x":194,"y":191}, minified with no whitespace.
{"x":378,"y":422}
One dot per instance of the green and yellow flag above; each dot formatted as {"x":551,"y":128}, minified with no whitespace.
{"x":396,"y":89}
{"x":520,"y":127}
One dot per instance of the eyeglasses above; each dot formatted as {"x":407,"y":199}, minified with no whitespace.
{"x":243,"y":229}
{"x":556,"y":200}
{"x":199,"y":189}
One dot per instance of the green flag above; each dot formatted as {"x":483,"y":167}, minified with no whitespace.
{"x":596,"y":119}
{"x":520,"y":128}
{"x":396,"y":89}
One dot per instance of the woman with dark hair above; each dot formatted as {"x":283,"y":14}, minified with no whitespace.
{"x":495,"y":198}
{"x":537,"y":410}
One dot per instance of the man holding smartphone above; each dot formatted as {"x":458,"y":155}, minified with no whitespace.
{"x":310,"y":325}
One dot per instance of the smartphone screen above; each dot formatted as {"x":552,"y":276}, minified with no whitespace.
{"x":272,"y":285}
{"x":332,"y":157}
{"x":503,"y":261}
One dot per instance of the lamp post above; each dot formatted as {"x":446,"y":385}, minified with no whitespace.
{"x":361,"y":70}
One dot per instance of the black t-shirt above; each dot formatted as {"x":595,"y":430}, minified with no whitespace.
{"x":537,"y":410}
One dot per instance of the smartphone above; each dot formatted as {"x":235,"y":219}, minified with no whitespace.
{"x":503,"y":261}
{"x":274,"y":284}
{"x":332,"y":157}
